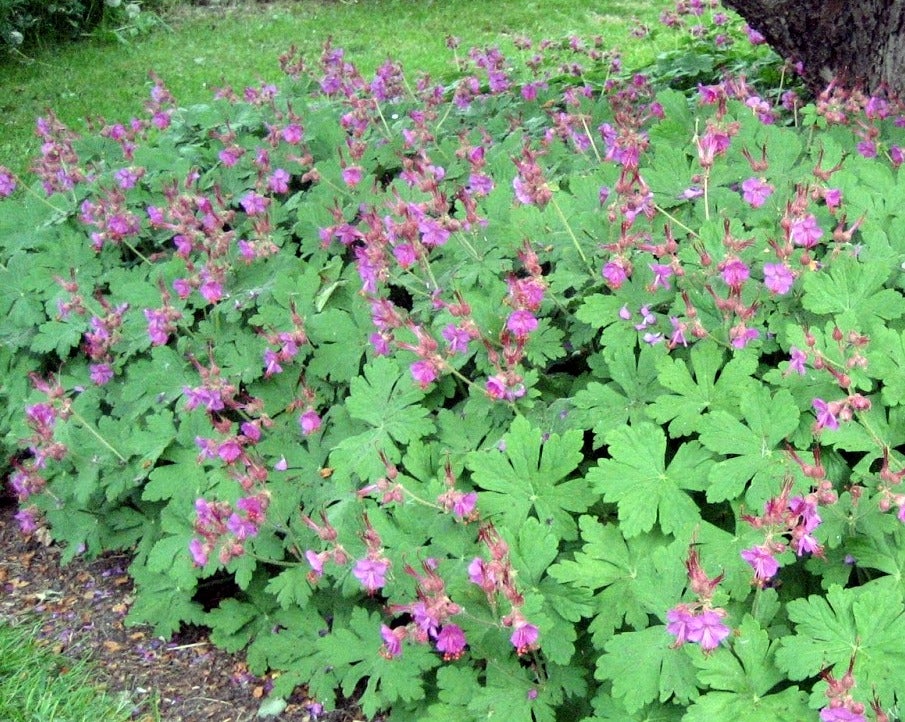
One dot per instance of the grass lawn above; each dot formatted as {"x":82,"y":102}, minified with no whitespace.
{"x":36,"y":684}
{"x":206,"y":47}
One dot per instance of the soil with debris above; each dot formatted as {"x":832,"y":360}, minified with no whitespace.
{"x":79,"y":610}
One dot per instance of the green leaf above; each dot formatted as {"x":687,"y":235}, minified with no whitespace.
{"x":853,"y":292}
{"x":528,"y":477}
{"x":693,"y":394}
{"x":644,"y":668}
{"x":290,"y":587}
{"x":162,"y":602}
{"x":602,"y":409}
{"x":638,"y":480}
{"x":866,"y":622}
{"x":755,"y":459}
{"x":621,"y":569}
{"x":887,"y":363}
{"x":390,"y":405}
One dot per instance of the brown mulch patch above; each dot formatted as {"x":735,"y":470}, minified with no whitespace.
{"x":79,"y":610}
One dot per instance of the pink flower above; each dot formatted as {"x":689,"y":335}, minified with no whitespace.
{"x":230,"y":450}
{"x":707,"y":629}
{"x":762,"y":562}
{"x":316,"y":560}
{"x":465,"y":504}
{"x":740,"y":335}
{"x":451,"y":641}
{"x":405,"y":255}
{"x":292,"y":134}
{"x":755,"y":191}
{"x":310,"y":422}
{"x":805,"y":232}
{"x":524,"y":637}
{"x":867,"y":148}
{"x":371,"y":573}
{"x":840,"y":714}
{"x":778,"y":278}
{"x":833,"y":196}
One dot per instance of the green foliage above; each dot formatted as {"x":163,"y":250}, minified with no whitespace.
{"x":474,"y":402}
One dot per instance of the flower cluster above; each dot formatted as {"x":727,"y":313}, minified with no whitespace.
{"x":219,"y":524}
{"x":699,"y":621}
{"x":496,"y":577}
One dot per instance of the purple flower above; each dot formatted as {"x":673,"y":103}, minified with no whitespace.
{"x":778,"y":278}
{"x":101,"y":373}
{"x":826,"y":419}
{"x":805,"y":232}
{"x":254,"y":204}
{"x":451,"y":641}
{"x":867,"y":148}
{"x":241,"y":528}
{"x":405,"y":255}
{"x":391,"y":641}
{"x":833,"y":196}
{"x":796,"y":360}
{"x":371,"y":573}
{"x":28,"y":523}
{"x":896,"y":155}
{"x":279,"y":181}
{"x":199,"y":552}
{"x":707,"y":629}
{"x":465,"y":504}
{"x":677,"y":621}
{"x":662,"y":274}
{"x":229,"y":451}
{"x":755,"y":192}
{"x":316,"y":560}
{"x":7,"y":182}
{"x":762,"y":562}
{"x":614,"y":274}
{"x":740,"y":335}
{"x":524,"y":637}
{"x":457,"y":338}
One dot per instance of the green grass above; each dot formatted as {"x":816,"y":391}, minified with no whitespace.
{"x":39,"y":686}
{"x":239,"y":46}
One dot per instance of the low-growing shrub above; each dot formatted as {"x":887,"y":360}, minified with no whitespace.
{"x":515,"y":397}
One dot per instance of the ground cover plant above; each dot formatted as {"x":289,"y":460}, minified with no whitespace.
{"x":550,"y":392}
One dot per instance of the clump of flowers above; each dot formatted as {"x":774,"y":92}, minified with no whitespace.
{"x":698,"y":621}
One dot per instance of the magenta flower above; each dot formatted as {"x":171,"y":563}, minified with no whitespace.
{"x":316,"y":560}
{"x":405,"y":255}
{"x":451,"y":641}
{"x":310,"y":422}
{"x":707,"y":629}
{"x":867,"y":148}
{"x":352,"y":175}
{"x":755,"y":191}
{"x":199,"y":552}
{"x":391,"y":641}
{"x":424,"y":372}
{"x":521,"y":323}
{"x":840,"y":714}
{"x":762,"y":562}
{"x":229,"y":451}
{"x":833,"y":196}
{"x":805,"y":232}
{"x":293,"y":133}
{"x":524,"y":637}
{"x":371,"y":573}
{"x":465,"y":504}
{"x":457,"y":338}
{"x":735,"y":272}
{"x":896,"y":155}
{"x":778,"y":278}
{"x":241,"y":528}
{"x":28,"y":523}
{"x":826,"y":419}
{"x":740,"y":335}
{"x":279,"y":181}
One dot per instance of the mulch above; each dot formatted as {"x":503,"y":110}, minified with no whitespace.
{"x":79,"y":611}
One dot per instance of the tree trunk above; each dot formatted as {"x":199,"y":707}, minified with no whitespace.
{"x":860,"y":42}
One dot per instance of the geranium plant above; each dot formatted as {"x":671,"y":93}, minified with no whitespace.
{"x":523,"y":395}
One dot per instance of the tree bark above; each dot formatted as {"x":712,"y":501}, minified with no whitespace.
{"x":860,"y":43}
